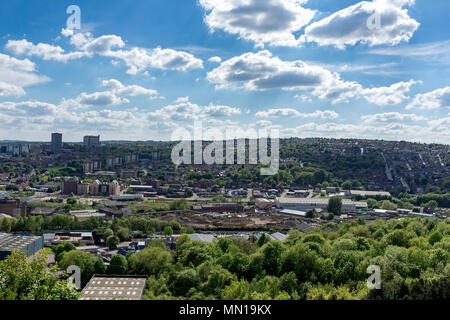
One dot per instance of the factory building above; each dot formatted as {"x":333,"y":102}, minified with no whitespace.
{"x":300,"y":204}
{"x":28,"y":245}
{"x":114,"y":288}
{"x":13,"y":207}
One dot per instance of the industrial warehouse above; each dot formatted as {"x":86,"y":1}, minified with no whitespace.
{"x":114,"y":288}
{"x":26,"y":244}
{"x":315,"y":204}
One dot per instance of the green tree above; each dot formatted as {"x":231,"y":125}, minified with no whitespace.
{"x":168,"y":231}
{"x":263,"y":239}
{"x":185,"y":281}
{"x":81,"y":259}
{"x":99,"y":266}
{"x":112,"y":242}
{"x":335,"y":206}
{"x":432,"y":204}
{"x":388,"y":205}
{"x":118,"y":265}
{"x":31,"y":280}
{"x":123,"y":233}
{"x":272,"y":252}
{"x":5,"y":225}
{"x":150,"y":261}
{"x":435,"y":237}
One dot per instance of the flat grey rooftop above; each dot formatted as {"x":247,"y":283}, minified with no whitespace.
{"x":114,"y":288}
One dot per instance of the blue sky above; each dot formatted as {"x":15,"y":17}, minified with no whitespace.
{"x":140,"y":69}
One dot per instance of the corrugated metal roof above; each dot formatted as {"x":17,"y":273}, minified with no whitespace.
{"x":278,"y":236}
{"x":202,"y":237}
{"x":114,"y":288}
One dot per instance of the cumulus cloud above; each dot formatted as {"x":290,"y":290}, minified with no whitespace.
{"x":292,"y":113}
{"x":132,"y":90}
{"x":140,"y":59}
{"x":392,"y":95}
{"x":182,"y":99}
{"x":136,"y":59}
{"x":262,"y":71}
{"x":113,"y":96}
{"x":436,"y":99}
{"x":303,"y":98}
{"x":30,"y":108}
{"x":440,"y":125}
{"x":271,"y":22}
{"x":183,"y":110}
{"x":264,"y":123}
{"x":7,"y":89}
{"x":373,"y":23}
{"x":35,"y":119}
{"x":215,"y":60}
{"x":392,"y":117}
{"x":100,"y":99}
{"x":15,"y":74}
{"x":42,"y":50}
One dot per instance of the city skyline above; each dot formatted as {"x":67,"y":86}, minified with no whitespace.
{"x":298,"y":68}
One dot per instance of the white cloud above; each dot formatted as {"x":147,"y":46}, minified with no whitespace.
{"x":289,"y":113}
{"x":353,"y":24}
{"x":392,"y":95}
{"x":36,"y":119}
{"x":140,"y":59}
{"x":218,"y":111}
{"x":100,"y":99}
{"x":102,"y":45}
{"x":42,"y":50}
{"x":338,"y":91}
{"x":436,"y":99}
{"x":136,"y":59}
{"x":7,"y":89}
{"x":440,"y":125}
{"x":264,"y":123}
{"x":270,"y":21}
{"x":15,"y":74}
{"x":392,"y":117}
{"x":132,"y":90}
{"x":67,"y":32}
{"x":303,"y":98}
{"x":184,"y":110}
{"x":215,"y":60}
{"x":28,"y":108}
{"x":113,"y":96}
{"x":261,"y":71}
{"x":182,"y":99}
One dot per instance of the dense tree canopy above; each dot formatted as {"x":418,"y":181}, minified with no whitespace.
{"x":24,"y":280}
{"x":413,"y":255}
